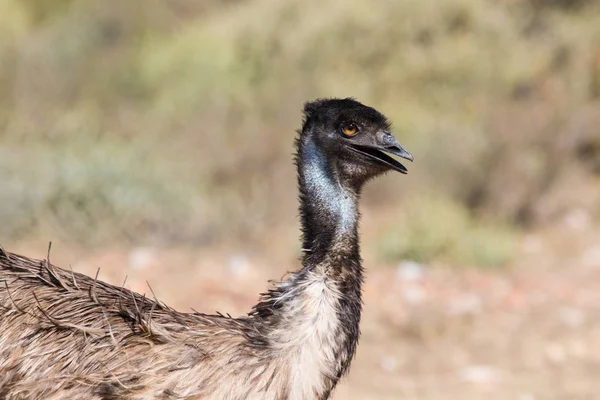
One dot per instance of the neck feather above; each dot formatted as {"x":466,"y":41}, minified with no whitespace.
{"x":328,"y":207}
{"x":311,"y":319}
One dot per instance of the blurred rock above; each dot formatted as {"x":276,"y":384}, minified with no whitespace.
{"x":142,"y":257}
{"x":239,"y":265}
{"x":389,"y":364}
{"x":410,"y":271}
{"x":480,"y":374}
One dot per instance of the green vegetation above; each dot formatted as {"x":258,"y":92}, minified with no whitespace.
{"x":436,"y":228}
{"x":150,"y":120}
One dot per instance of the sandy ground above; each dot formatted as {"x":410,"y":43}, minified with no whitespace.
{"x":528,"y":332}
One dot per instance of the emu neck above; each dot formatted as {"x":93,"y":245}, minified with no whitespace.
{"x":312,"y":318}
{"x":328,"y":207}
{"x":314,"y":315}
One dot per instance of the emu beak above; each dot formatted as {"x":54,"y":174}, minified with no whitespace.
{"x":378,"y":152}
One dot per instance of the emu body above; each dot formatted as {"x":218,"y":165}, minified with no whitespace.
{"x":64,"y":335}
{"x":68,"y":336}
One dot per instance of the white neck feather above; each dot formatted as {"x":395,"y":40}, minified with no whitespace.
{"x":308,"y":338}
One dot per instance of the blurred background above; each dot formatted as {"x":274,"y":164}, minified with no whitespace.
{"x":154,"y":139}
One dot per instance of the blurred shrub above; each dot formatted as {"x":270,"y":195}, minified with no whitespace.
{"x":90,"y":192}
{"x":183,"y":73}
{"x":434,"y":227}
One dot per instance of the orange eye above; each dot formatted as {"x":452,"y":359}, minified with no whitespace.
{"x":350,"y":129}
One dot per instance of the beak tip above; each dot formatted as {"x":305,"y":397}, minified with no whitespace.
{"x":407,"y":156}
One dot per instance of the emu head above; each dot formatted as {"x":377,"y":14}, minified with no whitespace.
{"x":354,"y":138}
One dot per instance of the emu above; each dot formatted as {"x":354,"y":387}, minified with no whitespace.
{"x":64,"y":335}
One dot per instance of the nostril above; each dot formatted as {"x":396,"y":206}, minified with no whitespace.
{"x":388,"y":139}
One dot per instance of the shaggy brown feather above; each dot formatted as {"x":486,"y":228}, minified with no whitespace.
{"x":64,"y":332}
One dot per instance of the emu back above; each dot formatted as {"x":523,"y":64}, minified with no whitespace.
{"x":66,"y":335}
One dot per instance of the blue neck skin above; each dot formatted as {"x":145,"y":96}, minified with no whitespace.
{"x":329,"y":209}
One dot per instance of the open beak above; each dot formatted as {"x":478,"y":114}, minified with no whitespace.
{"x":378,"y":154}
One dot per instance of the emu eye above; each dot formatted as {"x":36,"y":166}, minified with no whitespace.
{"x":350,"y":129}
